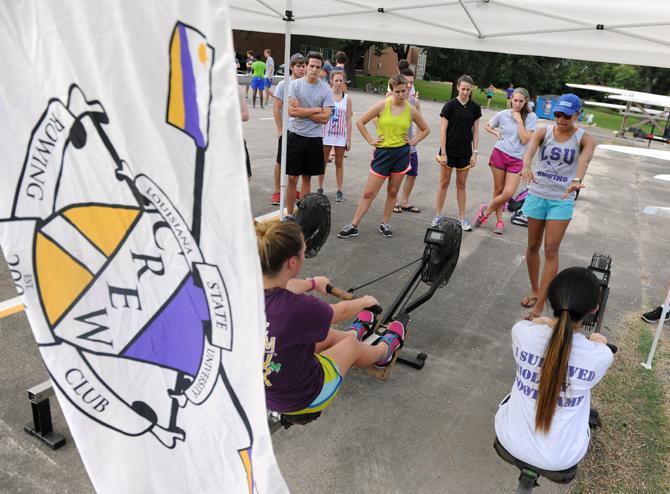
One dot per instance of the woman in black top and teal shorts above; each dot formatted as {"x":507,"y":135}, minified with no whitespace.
{"x":459,"y":140}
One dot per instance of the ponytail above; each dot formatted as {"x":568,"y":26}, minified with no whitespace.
{"x":554,"y":371}
{"x":277,"y":242}
{"x":572,"y":294}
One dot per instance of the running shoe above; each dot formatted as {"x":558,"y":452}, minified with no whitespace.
{"x":500,"y":228}
{"x":275,"y":199}
{"x":465,"y":225}
{"x":436,"y":220}
{"x":319,"y":191}
{"x":348,"y":231}
{"x":339,"y":197}
{"x":363,"y":324}
{"x":655,"y":314}
{"x":394,"y":337}
{"x":385,"y":230}
{"x":481,"y":218}
{"x":288,"y":217}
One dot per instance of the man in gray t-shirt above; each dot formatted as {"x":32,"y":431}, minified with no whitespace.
{"x":310,"y":96}
{"x":310,"y":106}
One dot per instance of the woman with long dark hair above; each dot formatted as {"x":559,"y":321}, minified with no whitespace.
{"x":545,"y":419}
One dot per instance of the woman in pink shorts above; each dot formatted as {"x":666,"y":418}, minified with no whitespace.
{"x":513,"y":127}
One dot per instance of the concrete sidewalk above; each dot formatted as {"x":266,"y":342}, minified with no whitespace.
{"x":421,"y":431}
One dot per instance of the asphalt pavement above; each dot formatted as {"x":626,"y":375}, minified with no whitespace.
{"x":421,"y":431}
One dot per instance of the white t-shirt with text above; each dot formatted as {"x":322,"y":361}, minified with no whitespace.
{"x":568,"y":438}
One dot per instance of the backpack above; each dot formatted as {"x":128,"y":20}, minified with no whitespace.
{"x":514,"y":204}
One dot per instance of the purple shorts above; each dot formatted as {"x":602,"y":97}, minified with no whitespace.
{"x":505,"y":162}
{"x":414,"y":163}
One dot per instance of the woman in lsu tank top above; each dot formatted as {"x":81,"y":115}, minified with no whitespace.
{"x":565,"y":153}
{"x":391,"y":155}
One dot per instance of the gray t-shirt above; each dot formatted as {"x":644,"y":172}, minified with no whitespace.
{"x":317,"y":95}
{"x":510,"y":143}
{"x":269,"y":67}
{"x":556,"y":165}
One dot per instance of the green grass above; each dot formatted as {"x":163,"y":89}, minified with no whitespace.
{"x":604,"y":118}
{"x":630,"y":452}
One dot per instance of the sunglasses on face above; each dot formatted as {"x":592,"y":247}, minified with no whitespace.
{"x":559,"y":114}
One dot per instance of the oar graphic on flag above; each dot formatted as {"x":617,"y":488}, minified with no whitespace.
{"x":191,"y":59}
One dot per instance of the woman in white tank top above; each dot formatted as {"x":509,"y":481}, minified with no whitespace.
{"x":565,"y":153}
{"x":337,"y":132}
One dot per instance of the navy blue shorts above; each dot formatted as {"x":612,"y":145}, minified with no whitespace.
{"x":390,"y":161}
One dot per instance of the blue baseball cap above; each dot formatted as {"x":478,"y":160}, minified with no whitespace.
{"x":568,"y":103}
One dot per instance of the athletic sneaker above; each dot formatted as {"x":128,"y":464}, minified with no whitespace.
{"x":436,"y":220}
{"x":319,"y":191}
{"x":348,"y":231}
{"x":481,"y":219}
{"x":655,"y":314}
{"x":288,"y":217}
{"x":394,"y":337}
{"x":500,"y":228}
{"x":363,"y":324}
{"x":275,"y":199}
{"x":339,"y":197}
{"x":385,"y":230}
{"x":465,"y":225}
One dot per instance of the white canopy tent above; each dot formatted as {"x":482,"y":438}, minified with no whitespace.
{"x":620,"y":31}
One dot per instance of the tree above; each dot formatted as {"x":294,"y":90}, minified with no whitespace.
{"x":354,"y":49}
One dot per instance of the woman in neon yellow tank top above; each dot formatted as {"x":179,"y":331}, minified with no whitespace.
{"x":391,"y":156}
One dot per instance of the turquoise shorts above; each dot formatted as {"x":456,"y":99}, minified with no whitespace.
{"x":548,"y":209}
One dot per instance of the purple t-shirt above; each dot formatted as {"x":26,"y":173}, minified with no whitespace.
{"x":295,"y":323}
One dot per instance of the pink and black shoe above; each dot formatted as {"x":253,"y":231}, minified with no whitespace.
{"x":481,"y":218}
{"x":363,"y":325}
{"x":394,"y":338}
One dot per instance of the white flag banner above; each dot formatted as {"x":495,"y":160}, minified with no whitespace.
{"x":124,"y":212}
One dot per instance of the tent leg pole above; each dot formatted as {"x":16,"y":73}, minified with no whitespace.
{"x":283,"y":179}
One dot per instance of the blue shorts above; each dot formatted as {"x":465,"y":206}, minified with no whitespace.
{"x":257,"y":83}
{"x":387,"y":161}
{"x":548,"y":209}
{"x":414,"y":163}
{"x":268,"y":82}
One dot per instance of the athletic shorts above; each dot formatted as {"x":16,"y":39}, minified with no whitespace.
{"x":257,"y":82}
{"x":268,"y":82}
{"x":414,"y":164}
{"x":458,"y":162}
{"x":279,"y":149}
{"x":390,"y":161}
{"x":304,"y":155}
{"x":505,"y":162}
{"x":332,"y":380}
{"x":548,"y":209}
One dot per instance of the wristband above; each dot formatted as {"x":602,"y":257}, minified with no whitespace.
{"x":475,"y":151}
{"x":313,"y":284}
{"x":577,"y":180}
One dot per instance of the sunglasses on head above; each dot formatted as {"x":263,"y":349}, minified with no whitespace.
{"x":560,"y":114}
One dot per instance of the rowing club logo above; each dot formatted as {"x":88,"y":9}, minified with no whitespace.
{"x":120,"y":298}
